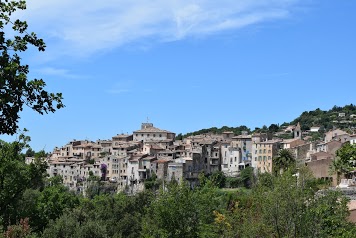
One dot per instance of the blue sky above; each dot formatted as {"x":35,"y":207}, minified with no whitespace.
{"x":187,"y":65}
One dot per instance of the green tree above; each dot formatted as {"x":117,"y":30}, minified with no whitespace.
{"x":247,"y":177}
{"x":179,"y":136}
{"x":218,"y":178}
{"x":37,"y":173}
{"x":64,"y":227}
{"x":182,"y":212}
{"x":53,"y":201}
{"x":283,"y":161}
{"x":14,"y":179}
{"x":30,"y":152}
{"x":345,"y":161}
{"x":17,"y":90}
{"x":273,"y":128}
{"x":40,"y":154}
{"x":288,"y":206}
{"x":27,"y":208}
{"x":339,"y":167}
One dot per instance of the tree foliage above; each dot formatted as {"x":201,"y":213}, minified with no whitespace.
{"x":214,"y":130}
{"x":17,"y":90}
{"x":14,"y":178}
{"x":283,"y":161}
{"x":181,"y":212}
{"x":287,"y":206}
{"x":327,"y":119}
{"x":345,"y":161}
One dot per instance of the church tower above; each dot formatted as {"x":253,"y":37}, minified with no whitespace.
{"x":298,"y":131}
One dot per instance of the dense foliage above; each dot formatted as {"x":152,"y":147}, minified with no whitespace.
{"x":17,"y":90}
{"x":214,"y":130}
{"x":280,"y":205}
{"x":327,"y":119}
{"x":345,"y":161}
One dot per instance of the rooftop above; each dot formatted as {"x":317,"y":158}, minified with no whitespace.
{"x":152,"y":129}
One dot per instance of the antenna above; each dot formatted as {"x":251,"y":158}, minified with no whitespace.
{"x":147,"y":119}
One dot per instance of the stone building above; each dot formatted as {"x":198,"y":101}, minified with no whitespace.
{"x":150,"y":133}
{"x":320,"y":166}
{"x":263,"y":153}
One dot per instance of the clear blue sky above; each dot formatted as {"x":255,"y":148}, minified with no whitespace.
{"x":187,"y":65}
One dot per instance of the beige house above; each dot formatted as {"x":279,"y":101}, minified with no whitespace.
{"x":122,"y":137}
{"x":330,"y":135}
{"x":175,"y":171}
{"x":160,"y":167}
{"x":319,"y":165}
{"x":231,"y":158}
{"x":291,"y":143}
{"x":263,"y":153}
{"x":151,"y":148}
{"x":330,"y":147}
{"x":150,"y":133}
{"x":120,"y":148}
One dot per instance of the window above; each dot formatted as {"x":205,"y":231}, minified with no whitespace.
{"x":264,"y":158}
{"x":259,"y":158}
{"x":255,"y":158}
{"x":160,"y":135}
{"x":260,"y":151}
{"x":264,"y":151}
{"x":269,"y":157}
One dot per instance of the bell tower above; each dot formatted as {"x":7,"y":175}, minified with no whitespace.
{"x":298,"y":131}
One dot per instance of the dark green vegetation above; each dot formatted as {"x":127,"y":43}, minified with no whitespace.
{"x":283,"y":161}
{"x":326,"y":120}
{"x":279,"y":205}
{"x":345,"y":160}
{"x":17,"y":90}
{"x":215,"y":130}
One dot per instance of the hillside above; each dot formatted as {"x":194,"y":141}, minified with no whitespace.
{"x":340,"y":117}
{"x":324,"y":119}
{"x":237,"y":131}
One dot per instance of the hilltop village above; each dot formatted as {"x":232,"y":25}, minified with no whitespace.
{"x":127,"y":160}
